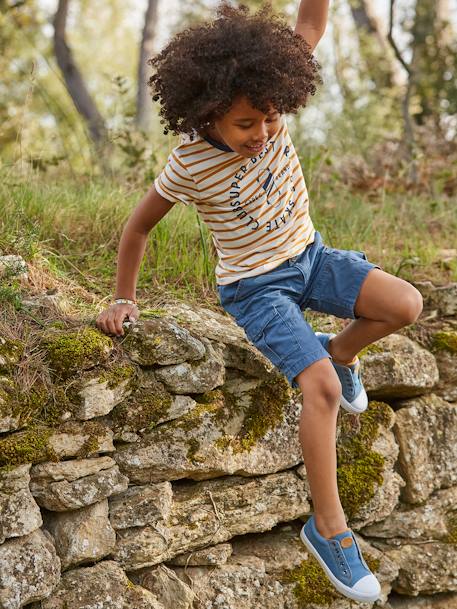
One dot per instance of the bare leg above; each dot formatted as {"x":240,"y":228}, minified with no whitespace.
{"x":321,"y":397}
{"x":385,"y":304}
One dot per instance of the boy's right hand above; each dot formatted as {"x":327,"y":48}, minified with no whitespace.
{"x":111,"y":319}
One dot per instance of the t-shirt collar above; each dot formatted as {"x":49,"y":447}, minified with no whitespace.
{"x":217,"y":144}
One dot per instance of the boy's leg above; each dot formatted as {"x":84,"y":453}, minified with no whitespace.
{"x":321,"y":391}
{"x":385,"y":304}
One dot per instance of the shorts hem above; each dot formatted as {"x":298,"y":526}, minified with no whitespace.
{"x":302,"y":362}
{"x":362,"y":276}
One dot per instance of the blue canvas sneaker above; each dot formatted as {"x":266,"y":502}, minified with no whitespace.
{"x":354,"y":398}
{"x":342,"y":560}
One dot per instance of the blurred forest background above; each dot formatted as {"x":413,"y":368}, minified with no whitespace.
{"x":81,"y":139}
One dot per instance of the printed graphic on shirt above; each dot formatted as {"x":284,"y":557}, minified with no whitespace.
{"x":256,"y":209}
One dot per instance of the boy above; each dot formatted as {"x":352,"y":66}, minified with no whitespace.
{"x":226,"y":84}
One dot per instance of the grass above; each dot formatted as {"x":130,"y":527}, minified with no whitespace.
{"x":76,"y":225}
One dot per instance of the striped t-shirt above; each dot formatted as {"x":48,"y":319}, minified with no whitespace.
{"x":256,"y":209}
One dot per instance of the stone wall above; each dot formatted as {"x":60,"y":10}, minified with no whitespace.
{"x":163,"y":470}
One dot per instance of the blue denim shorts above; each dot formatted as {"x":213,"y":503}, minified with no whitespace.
{"x":269,"y":307}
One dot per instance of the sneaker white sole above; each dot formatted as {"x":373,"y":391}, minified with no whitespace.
{"x":359,"y":405}
{"x":342,"y":588}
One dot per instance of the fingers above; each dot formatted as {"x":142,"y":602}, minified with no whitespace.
{"x":110,"y":321}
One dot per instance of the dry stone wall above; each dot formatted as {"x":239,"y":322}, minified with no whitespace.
{"x":166,"y":473}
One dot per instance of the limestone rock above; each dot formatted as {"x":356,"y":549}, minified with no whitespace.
{"x":103,"y":586}
{"x":247,"y":427}
{"x":161,"y":341}
{"x":397,"y":367}
{"x":29,"y":570}
{"x":13,"y":266}
{"x":444,"y":299}
{"x":435,"y":520}
{"x":238,"y":352}
{"x":214,"y":555}
{"x":141,"y":505}
{"x":170,"y":591}
{"x":195,"y":377}
{"x":99,"y":391}
{"x":74,"y":484}
{"x":75,"y":439}
{"x":425,"y":569}
{"x":426,"y":431}
{"x":447,"y":365}
{"x":81,"y":536}
{"x":150,"y":405}
{"x":19,"y":513}
{"x":444,"y":346}
{"x":210,"y":512}
{"x":436,"y":601}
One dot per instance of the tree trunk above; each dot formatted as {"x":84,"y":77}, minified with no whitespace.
{"x":73,"y":77}
{"x":373,"y":45}
{"x":432,"y":34}
{"x":144,"y":104}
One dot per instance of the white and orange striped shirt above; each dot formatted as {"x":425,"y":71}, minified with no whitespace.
{"x":256,"y":209}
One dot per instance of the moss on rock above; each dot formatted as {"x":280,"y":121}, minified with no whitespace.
{"x":369,"y":350}
{"x":152,"y":313}
{"x":38,"y":404}
{"x":117,"y":374}
{"x":29,"y":446}
{"x":71,"y":352}
{"x":193,"y":448}
{"x":445,"y":341}
{"x":11,"y":352}
{"x":265,"y":412}
{"x":451,"y":523}
{"x":312,"y":586}
{"x":360,"y":468}
{"x":144,"y":409}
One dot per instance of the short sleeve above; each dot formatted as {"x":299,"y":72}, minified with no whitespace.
{"x":175,"y":183}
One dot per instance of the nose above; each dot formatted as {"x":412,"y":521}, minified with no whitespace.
{"x":262,"y":134}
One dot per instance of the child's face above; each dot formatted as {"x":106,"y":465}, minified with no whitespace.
{"x":245,"y":129}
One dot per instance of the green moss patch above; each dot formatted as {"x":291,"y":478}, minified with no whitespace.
{"x":369,"y":350}
{"x":265,"y":412}
{"x":451,"y":522}
{"x":360,"y":469}
{"x":152,"y":313}
{"x":30,"y":446}
{"x":117,"y":374}
{"x":11,"y":352}
{"x":144,"y":409}
{"x":445,"y":341}
{"x":71,"y":352}
{"x":312,"y":586}
{"x":39,"y":404}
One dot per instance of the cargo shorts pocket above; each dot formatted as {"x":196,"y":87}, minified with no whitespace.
{"x":272,"y":334}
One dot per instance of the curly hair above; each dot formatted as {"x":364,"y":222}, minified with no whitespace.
{"x":202,"y":69}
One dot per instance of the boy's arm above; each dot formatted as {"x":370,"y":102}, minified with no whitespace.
{"x":312,"y":20}
{"x":146,"y":215}
{"x":152,"y":208}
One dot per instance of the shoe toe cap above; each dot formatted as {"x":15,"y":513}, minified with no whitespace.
{"x":369,"y":586}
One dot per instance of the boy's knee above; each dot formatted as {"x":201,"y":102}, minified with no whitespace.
{"x":410,"y":307}
{"x":320,"y":384}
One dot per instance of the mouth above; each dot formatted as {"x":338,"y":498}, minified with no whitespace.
{"x":256,"y":148}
